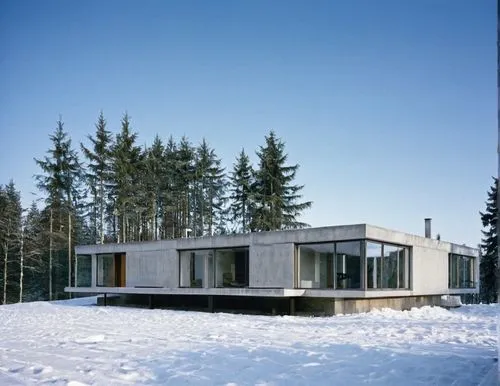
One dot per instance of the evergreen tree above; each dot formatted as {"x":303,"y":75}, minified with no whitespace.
{"x":10,"y":240}
{"x":154,"y":184}
{"x":169,"y":191}
{"x":489,"y":257}
{"x":125,"y":167}
{"x":35,"y":268}
{"x":208,"y":192}
{"x":241,"y":193}
{"x":61,"y":182}
{"x":98,"y":177}
{"x":183,"y":186}
{"x":276,"y":198}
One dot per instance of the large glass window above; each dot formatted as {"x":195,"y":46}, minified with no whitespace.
{"x":106,"y":270}
{"x":83,"y":270}
{"x":387,"y":266}
{"x":231,"y":267}
{"x":194,"y":267}
{"x":348,"y":264}
{"x":316,"y":265}
{"x":403,"y":268}
{"x":461,"y":271}
{"x":390,"y":266}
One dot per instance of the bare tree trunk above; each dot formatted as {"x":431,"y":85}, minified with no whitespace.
{"x":101,"y":212}
{"x":69,"y":252}
{"x":5,"y":259}
{"x":50,"y":254}
{"x":21,"y":263}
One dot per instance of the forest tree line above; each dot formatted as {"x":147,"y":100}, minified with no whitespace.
{"x":110,"y":189}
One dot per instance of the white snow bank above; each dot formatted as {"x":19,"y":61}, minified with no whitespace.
{"x":65,"y":343}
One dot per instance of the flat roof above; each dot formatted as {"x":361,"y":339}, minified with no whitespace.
{"x":296,"y":236}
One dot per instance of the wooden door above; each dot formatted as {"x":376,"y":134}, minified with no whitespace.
{"x":120,"y":270}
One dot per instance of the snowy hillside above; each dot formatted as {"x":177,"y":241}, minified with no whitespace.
{"x":76,"y":343}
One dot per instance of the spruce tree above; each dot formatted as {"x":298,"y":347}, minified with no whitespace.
{"x":61,"y":182}
{"x":277,"y":199}
{"x":126,"y":156}
{"x":98,"y":177}
{"x":209,"y":197}
{"x":154,"y":184}
{"x":10,"y":240}
{"x":489,"y":255}
{"x":241,"y":193}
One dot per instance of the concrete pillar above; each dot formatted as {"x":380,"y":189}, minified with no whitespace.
{"x":94,"y":270}
{"x":316,"y":267}
{"x":76,"y":270}
{"x":210,"y":303}
{"x":292,"y":306}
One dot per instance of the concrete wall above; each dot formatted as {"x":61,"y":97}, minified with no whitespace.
{"x":271,"y":260}
{"x":151,"y":268}
{"x":272,"y":266}
{"x":429,"y":271}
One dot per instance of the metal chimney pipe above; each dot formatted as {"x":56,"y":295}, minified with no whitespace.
{"x":428,"y":233}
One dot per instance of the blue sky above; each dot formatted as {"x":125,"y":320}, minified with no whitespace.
{"x":389,"y":106}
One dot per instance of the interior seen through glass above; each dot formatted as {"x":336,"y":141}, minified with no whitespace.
{"x":339,"y":265}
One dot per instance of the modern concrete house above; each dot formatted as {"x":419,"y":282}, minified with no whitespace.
{"x":328,"y":270}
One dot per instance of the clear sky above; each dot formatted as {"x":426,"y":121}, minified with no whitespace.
{"x":389,"y":107}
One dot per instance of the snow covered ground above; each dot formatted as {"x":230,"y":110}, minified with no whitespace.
{"x":75,"y":343}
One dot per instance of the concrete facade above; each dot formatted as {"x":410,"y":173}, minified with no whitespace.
{"x":155,"y":267}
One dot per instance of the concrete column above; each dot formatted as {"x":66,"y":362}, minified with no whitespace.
{"x":94,"y":270}
{"x":76,"y":270}
{"x":210,"y":303}
{"x":292,"y":306}
{"x":316,"y":267}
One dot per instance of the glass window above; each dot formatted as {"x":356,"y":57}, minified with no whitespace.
{"x":348,"y":264}
{"x":461,"y":271}
{"x":193,"y":266}
{"x":231,"y":267}
{"x":106,"y":270}
{"x":390,"y":266}
{"x":83,"y":270}
{"x":403,"y":267}
{"x":316,"y":265}
{"x":373,"y":265}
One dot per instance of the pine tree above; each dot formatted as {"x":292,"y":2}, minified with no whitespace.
{"x":10,"y":240}
{"x":98,"y":177}
{"x":489,"y":257}
{"x":168,"y":193}
{"x":209,"y":197}
{"x":154,"y":184}
{"x":183,"y":186}
{"x":125,"y":166}
{"x":241,"y":193}
{"x":276,"y":198}
{"x":35,"y":268}
{"x":61,"y":182}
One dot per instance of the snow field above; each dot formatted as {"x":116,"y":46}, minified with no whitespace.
{"x":76,"y":343}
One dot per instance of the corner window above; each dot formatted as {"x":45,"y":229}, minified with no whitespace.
{"x":387,"y":266}
{"x":460,"y":271}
